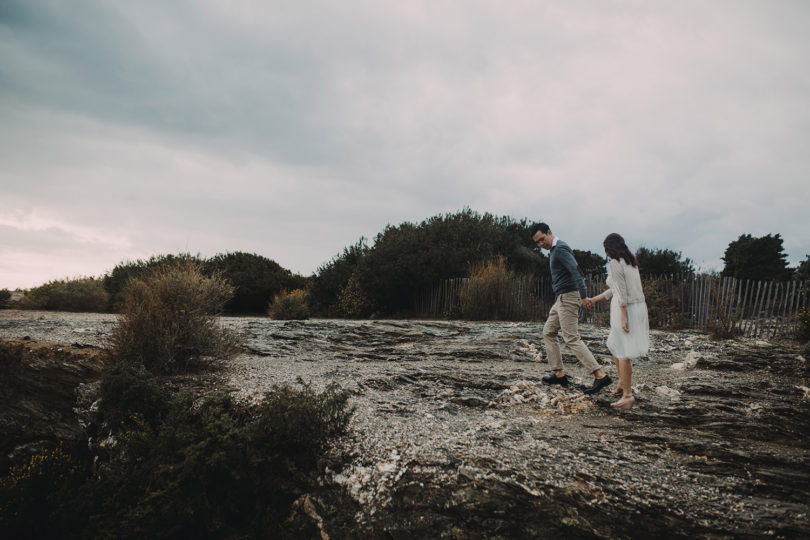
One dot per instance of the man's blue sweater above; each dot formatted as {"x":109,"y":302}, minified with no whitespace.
{"x":564,"y":274}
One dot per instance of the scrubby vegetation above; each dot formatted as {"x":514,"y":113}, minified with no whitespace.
{"x":488,"y":294}
{"x":198,"y":469}
{"x":168,"y":318}
{"x":256,"y":280}
{"x":5,"y":298}
{"x":665,"y":297}
{"x":154,"y":463}
{"x":79,"y":294}
{"x":289,"y":306}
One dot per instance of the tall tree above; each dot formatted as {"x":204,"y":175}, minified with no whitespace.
{"x":803,"y":270}
{"x":756,"y":258}
{"x":658,"y":262}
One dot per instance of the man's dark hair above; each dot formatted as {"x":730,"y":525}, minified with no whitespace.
{"x":542,"y":227}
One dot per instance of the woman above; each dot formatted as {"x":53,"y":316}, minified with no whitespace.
{"x":629,"y":327}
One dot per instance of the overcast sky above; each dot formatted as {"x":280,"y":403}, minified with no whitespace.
{"x":291,"y":129}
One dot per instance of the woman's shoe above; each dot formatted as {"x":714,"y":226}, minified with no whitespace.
{"x":624,"y":403}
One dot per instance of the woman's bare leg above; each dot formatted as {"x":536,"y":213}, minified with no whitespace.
{"x":617,"y":392}
{"x":625,"y":369}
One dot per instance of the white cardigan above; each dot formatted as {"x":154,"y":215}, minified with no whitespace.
{"x":625,"y":282}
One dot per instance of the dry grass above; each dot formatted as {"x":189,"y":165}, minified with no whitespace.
{"x":290,"y":305}
{"x":169,"y":318}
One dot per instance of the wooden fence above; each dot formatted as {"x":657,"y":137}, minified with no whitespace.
{"x":759,"y":309}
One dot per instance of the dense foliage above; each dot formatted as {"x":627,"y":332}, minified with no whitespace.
{"x":590,"y":263}
{"x":116,"y":279}
{"x":663,"y":262}
{"x":80,"y":294}
{"x":207,"y":468}
{"x":168,"y":318}
{"x":332,"y":278}
{"x":255,"y":279}
{"x":409,"y":257}
{"x":761,"y":258}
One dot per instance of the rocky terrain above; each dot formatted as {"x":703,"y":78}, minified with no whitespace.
{"x":455,"y":436}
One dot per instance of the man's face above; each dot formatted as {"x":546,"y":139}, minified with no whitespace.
{"x":543,"y":239}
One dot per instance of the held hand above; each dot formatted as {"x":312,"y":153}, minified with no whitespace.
{"x":587,"y":303}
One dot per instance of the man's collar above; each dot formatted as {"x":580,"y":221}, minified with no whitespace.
{"x":554,"y":242}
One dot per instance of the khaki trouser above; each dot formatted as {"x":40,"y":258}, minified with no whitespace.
{"x":564,"y":314}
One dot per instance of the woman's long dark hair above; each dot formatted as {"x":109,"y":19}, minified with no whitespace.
{"x":617,"y":249}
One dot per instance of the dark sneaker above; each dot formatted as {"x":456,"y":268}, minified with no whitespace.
{"x":598,"y":384}
{"x":553,"y":379}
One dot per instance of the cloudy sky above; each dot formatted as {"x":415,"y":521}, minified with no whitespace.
{"x":291,"y":129}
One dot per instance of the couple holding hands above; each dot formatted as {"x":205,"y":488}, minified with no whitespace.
{"x":629,"y":326}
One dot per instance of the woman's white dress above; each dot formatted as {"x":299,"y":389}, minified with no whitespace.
{"x":636,"y":343}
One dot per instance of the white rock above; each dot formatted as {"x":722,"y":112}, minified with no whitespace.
{"x":691,"y":361}
{"x":666,"y":391}
{"x":805,"y":390}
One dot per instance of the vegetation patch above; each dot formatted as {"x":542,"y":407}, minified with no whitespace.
{"x":169,"y":318}
{"x":290,"y":305}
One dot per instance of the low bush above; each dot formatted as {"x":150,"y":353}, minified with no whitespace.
{"x":34,"y":495}
{"x":5,"y":298}
{"x":209,"y":468}
{"x":130,"y":396}
{"x":289,"y":305}
{"x":85,"y":294}
{"x":169,"y":318}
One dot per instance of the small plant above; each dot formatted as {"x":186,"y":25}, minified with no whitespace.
{"x":169,"y":318}
{"x":352,"y":302}
{"x":289,"y":305}
{"x":803,"y":328}
{"x":5,"y":298}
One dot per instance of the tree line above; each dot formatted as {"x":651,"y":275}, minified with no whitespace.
{"x":381,"y":278}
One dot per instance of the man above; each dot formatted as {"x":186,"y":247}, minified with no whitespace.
{"x":569,"y":293}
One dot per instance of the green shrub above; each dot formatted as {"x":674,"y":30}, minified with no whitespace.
{"x":130,"y":395}
{"x":210,"y":468}
{"x":34,"y":495}
{"x":85,"y":294}
{"x":5,"y":297}
{"x":168,"y":318}
{"x":255,"y":279}
{"x":290,"y":305}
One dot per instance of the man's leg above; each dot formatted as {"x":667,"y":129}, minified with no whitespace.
{"x":550,"y":330}
{"x":569,"y":322}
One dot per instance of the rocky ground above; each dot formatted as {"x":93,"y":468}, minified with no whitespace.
{"x":454,"y":435}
